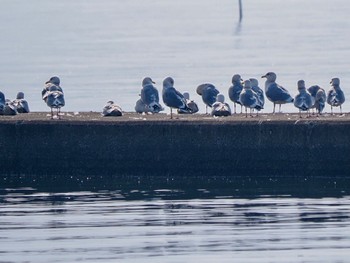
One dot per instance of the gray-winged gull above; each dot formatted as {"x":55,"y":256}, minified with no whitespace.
{"x":20,"y":103}
{"x":173,"y":98}
{"x":249,"y":99}
{"x":190,"y":103}
{"x":276,"y":93}
{"x":112,"y":110}
{"x":335,"y":96}
{"x":319,"y":96}
{"x":303,"y":101}
{"x":208,"y":92}
{"x":259,"y":92}
{"x":150,"y":96}
{"x":141,"y":107}
{"x":235,"y":90}
{"x":2,"y":103}
{"x":220,"y":107}
{"x":53,"y":95}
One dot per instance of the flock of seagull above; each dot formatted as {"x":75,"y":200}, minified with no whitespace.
{"x":245,"y":93}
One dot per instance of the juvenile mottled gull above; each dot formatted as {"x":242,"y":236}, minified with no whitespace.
{"x":220,"y":108}
{"x":319,"y":96}
{"x":53,"y":95}
{"x":235,"y":90}
{"x":190,"y":103}
{"x":208,"y":93}
{"x":111,"y":109}
{"x":276,"y":93}
{"x":303,"y":101}
{"x":21,"y":104}
{"x":10,"y":108}
{"x":173,"y":98}
{"x":335,"y":96}
{"x":150,"y":96}
{"x":249,"y":99}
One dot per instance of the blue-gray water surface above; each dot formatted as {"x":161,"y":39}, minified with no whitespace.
{"x":106,"y":219}
{"x":103,"y":49}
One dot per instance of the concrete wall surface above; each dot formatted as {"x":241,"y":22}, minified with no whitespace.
{"x":172,"y":148}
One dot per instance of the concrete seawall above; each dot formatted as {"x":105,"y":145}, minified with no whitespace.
{"x":189,"y":147}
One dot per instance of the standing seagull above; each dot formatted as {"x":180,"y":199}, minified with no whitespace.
{"x":150,"y":96}
{"x":249,"y":98}
{"x":21,"y":103}
{"x":303,"y":101}
{"x":276,"y":93}
{"x":2,"y":103}
{"x":319,"y":96}
{"x":53,"y":95}
{"x":208,"y":93}
{"x":335,"y":96}
{"x":259,"y":92}
{"x":172,"y":98}
{"x":235,"y":90}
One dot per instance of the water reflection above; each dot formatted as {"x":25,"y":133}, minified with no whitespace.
{"x":163,"y":219}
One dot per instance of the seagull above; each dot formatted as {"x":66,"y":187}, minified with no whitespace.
{"x":235,"y":90}
{"x":10,"y":108}
{"x":319,"y":96}
{"x":112,"y":109}
{"x":2,"y":103}
{"x":259,"y":92}
{"x":20,"y":103}
{"x":53,"y":95}
{"x":150,"y":96}
{"x":303,"y":101}
{"x":173,"y":98}
{"x":141,"y":107}
{"x":220,"y":108}
{"x":190,"y":103}
{"x":276,"y":93}
{"x":335,"y":95}
{"x":249,"y":99}
{"x":208,"y":93}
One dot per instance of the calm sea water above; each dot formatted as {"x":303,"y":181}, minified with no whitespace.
{"x":174,"y":220}
{"x":103,"y":49}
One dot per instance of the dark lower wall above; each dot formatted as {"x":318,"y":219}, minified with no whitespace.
{"x":175,"y":148}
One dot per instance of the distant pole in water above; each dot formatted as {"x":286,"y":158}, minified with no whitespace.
{"x":240,"y":10}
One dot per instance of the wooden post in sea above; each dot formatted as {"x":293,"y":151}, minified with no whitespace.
{"x":240,"y":10}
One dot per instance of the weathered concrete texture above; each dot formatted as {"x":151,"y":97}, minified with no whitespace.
{"x":236,"y":148}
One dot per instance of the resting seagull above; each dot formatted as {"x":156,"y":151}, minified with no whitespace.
{"x":173,"y":98}
{"x":150,"y":96}
{"x":335,"y":96}
{"x":53,"y":95}
{"x":319,"y":96}
{"x":111,"y":109}
{"x":190,"y":103}
{"x":303,"y":101}
{"x":235,"y":90}
{"x":20,"y":103}
{"x":208,"y":93}
{"x":220,"y":107}
{"x":276,"y":93}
